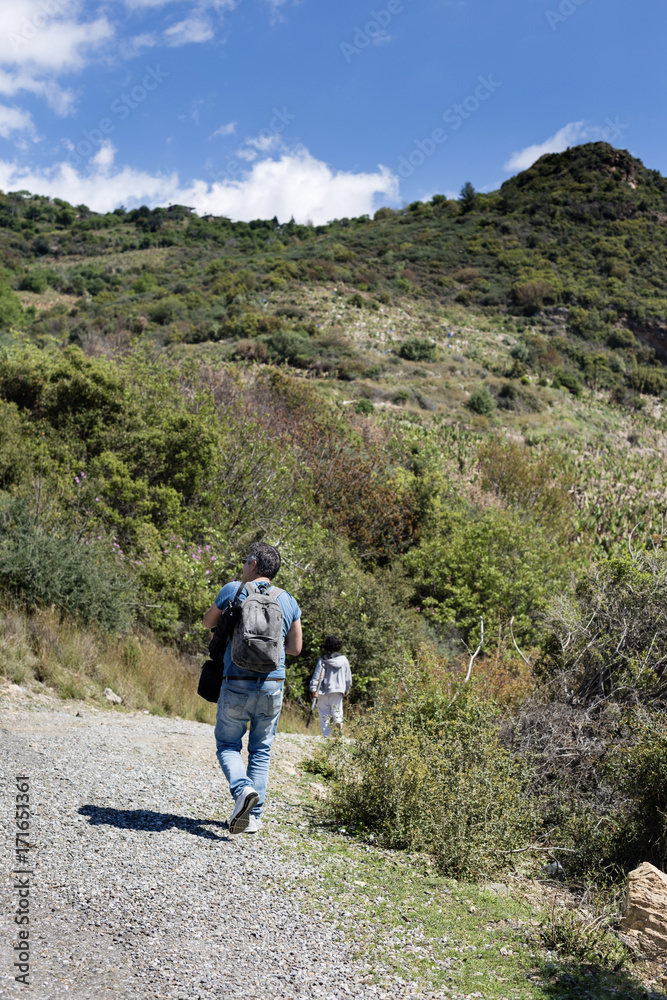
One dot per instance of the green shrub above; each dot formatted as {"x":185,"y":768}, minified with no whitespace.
{"x":652,"y":381}
{"x":589,"y":938}
{"x":417,"y":349}
{"x":77,"y":395}
{"x":146,"y":282}
{"x":43,"y":568}
{"x":364,"y":407}
{"x":532,"y":296}
{"x":166,"y":310}
{"x":319,"y":764}
{"x":568,"y":381}
{"x":33,"y":282}
{"x":622,"y":339}
{"x":369,"y":612}
{"x":495,"y":564}
{"x":539,"y":483}
{"x":439,"y":782}
{"x":482,"y":402}
{"x":291,"y":347}
{"x":11,"y":310}
{"x":640,"y":772}
{"x":350,"y":369}
{"x":521,"y":352}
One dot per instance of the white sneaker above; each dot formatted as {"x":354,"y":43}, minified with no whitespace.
{"x":245,"y":803}
{"x":254,"y":824}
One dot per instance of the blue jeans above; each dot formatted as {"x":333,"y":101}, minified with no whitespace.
{"x":241,"y":701}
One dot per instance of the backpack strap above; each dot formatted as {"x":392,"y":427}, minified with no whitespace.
{"x":272,"y":591}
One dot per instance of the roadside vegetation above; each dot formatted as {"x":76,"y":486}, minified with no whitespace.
{"x":449,"y":418}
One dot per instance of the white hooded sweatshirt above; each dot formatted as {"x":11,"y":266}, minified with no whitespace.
{"x":335,"y":672}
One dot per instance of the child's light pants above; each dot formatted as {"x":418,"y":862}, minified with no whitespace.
{"x":330,"y":707}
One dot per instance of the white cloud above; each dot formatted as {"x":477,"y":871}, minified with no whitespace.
{"x":99,"y":189}
{"x":40,"y":39}
{"x":60,"y":100}
{"x":15,"y":120}
{"x":569,"y":135}
{"x":224,"y":130}
{"x":295,"y":185}
{"x":132,"y":47}
{"x":105,"y":156}
{"x":32,"y":36}
{"x":266,"y":142}
{"x":192,"y":29}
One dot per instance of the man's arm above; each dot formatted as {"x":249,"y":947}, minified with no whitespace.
{"x":293,"y":639}
{"x":212,"y":617}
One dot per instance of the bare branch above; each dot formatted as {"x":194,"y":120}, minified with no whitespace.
{"x":522,"y":850}
{"x":472,"y":660}
{"x":525,"y":660}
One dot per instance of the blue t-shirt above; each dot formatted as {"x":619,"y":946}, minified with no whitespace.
{"x":291,"y":613}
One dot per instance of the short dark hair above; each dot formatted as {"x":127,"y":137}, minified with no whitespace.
{"x":332,"y":644}
{"x":266,"y":557}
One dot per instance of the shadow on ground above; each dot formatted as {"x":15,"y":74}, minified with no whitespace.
{"x":146,"y":819}
{"x":574,"y":981}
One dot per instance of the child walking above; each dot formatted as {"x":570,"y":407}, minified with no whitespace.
{"x":330,"y":682}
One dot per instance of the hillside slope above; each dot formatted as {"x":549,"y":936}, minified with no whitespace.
{"x":367,"y":383}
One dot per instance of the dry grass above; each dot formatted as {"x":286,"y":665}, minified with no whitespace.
{"x":46,"y":299}
{"x":293,"y":720}
{"x":123,"y":260}
{"x":77,"y":662}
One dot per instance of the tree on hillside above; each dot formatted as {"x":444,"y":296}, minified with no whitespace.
{"x":468,"y":197}
{"x":11,"y":310}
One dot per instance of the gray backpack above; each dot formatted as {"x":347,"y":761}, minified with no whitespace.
{"x":257,"y":640}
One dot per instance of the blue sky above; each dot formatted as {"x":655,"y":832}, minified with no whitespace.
{"x":255,"y":108}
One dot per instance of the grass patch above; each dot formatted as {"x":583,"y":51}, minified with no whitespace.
{"x":412,"y":926}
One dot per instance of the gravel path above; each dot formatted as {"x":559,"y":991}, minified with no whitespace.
{"x":138,"y":890}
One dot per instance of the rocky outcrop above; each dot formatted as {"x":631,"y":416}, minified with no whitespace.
{"x":645,"y":910}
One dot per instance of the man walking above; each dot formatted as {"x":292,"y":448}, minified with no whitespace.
{"x":249,"y":697}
